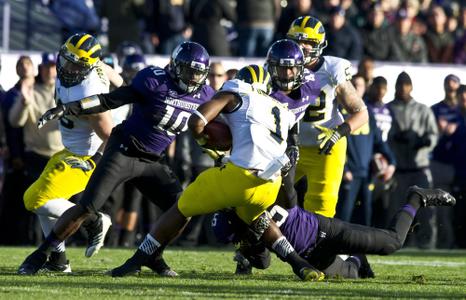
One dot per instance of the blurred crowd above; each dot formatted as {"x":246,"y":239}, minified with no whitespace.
{"x":385,"y":30}
{"x":426,"y":144}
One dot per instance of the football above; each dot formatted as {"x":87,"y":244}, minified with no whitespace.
{"x":219,"y":136}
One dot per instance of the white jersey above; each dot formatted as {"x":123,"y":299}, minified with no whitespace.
{"x":77,"y":134}
{"x":324,"y":111}
{"x":259,"y":127}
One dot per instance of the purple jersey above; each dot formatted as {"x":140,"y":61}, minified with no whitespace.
{"x":300,"y":227}
{"x":383,"y":118}
{"x":163,"y":111}
{"x":307,"y":93}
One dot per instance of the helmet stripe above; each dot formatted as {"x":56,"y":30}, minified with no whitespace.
{"x":253,"y":73}
{"x":261,"y":74}
{"x":94,"y":49}
{"x":82,"y":40}
{"x":304,"y":22}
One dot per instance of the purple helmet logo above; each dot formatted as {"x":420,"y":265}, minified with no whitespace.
{"x":285,"y":63}
{"x":189,"y":66}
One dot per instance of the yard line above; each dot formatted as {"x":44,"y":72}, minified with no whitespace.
{"x":434,"y":263}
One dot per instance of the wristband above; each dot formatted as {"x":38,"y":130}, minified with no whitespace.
{"x":343,"y":129}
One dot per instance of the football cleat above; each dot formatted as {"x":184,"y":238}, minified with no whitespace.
{"x":432,"y":197}
{"x":33,"y":263}
{"x":96,"y":234}
{"x":311,"y":274}
{"x":159,"y":266}
{"x":51,"y":267}
{"x":243,"y":266}
{"x":132,"y":266}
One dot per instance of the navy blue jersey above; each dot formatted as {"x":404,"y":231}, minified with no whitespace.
{"x":163,"y":111}
{"x":299,"y":226}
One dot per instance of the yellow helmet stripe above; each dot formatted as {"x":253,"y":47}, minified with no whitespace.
{"x":94,"y":49}
{"x":304,"y":21}
{"x":261,"y":74}
{"x":253,"y":74}
{"x":82,"y":40}
{"x":267,"y":76}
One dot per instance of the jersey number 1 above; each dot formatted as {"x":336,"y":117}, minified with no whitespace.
{"x":277,"y":135}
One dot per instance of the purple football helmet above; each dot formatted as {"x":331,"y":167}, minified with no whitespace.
{"x":189,"y":66}
{"x":132,"y":64}
{"x":285,"y":63}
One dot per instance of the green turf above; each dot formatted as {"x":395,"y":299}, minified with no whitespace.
{"x":207,"y":274}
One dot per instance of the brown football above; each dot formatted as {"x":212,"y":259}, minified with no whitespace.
{"x":219,"y":136}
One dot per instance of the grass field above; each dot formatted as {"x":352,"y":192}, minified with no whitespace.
{"x":207,"y":274}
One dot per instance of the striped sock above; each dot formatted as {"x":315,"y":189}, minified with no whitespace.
{"x":282,"y":247}
{"x":149,"y":245}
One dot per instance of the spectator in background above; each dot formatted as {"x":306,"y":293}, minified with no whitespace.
{"x":383,"y":120}
{"x":125,"y":49}
{"x":205,"y":16}
{"x":231,"y":73}
{"x":357,"y":183}
{"x":366,"y":70}
{"x":75,"y":16}
{"x":217,"y":75}
{"x":168,"y":24}
{"x":343,"y":39}
{"x":462,"y":100}
{"x":375,"y":36}
{"x":124,"y":21}
{"x":412,"y":137}
{"x":14,"y":184}
{"x":439,"y":40}
{"x":448,"y":119}
{"x":459,"y":183}
{"x":460,"y":51}
{"x":34,"y":99}
{"x":405,"y":45}
{"x":256,"y":26}
{"x":295,"y":9}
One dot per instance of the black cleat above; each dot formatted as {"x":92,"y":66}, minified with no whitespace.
{"x":33,"y":263}
{"x":243,"y":266}
{"x":159,"y":266}
{"x":432,"y":197}
{"x":132,"y":266}
{"x":365,"y":270}
{"x":52,"y":267}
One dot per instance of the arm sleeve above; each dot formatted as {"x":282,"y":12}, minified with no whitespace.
{"x":119,"y":97}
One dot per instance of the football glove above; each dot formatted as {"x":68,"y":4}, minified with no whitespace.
{"x":51,"y":114}
{"x":329,"y":137}
{"x":293,"y":154}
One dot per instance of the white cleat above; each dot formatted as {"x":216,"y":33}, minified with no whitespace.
{"x":97,"y":235}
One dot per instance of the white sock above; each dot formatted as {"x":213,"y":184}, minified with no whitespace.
{"x":149,"y":245}
{"x":48,"y":215}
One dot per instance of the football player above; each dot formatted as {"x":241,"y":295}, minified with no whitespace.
{"x":249,"y":182}
{"x":323,"y":130}
{"x":80,"y":74}
{"x":163,"y":100}
{"x":319,"y":239}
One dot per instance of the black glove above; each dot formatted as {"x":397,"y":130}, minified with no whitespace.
{"x":329,"y":137}
{"x":293,"y":154}
{"x":422,"y":141}
{"x":51,"y":114}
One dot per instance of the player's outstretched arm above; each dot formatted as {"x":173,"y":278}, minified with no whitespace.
{"x":91,"y":105}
